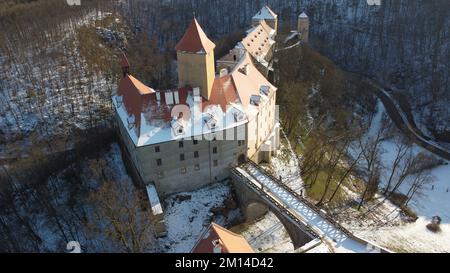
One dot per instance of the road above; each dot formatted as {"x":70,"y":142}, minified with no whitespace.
{"x":402,"y":123}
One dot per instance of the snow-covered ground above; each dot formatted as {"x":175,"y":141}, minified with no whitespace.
{"x":286,"y":166}
{"x":66,"y":195}
{"x":43,"y":95}
{"x":268,"y":235}
{"x":434,"y":200}
{"x":187,"y":214}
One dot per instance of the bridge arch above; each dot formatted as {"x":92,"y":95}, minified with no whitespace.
{"x":254,"y":206}
{"x":254,"y":210}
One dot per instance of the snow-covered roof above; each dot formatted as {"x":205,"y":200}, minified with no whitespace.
{"x":160,"y":120}
{"x":265,"y":13}
{"x":158,"y":116}
{"x":303,"y":15}
{"x":154,"y":199}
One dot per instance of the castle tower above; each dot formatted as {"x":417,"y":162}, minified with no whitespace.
{"x":303,"y":27}
{"x":195,"y":54}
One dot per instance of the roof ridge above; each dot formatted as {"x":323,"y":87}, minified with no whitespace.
{"x":214,"y":225}
{"x":195,"y":39}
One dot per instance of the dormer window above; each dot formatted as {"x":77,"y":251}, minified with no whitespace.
{"x":210,"y":121}
{"x":178,"y":128}
{"x":264,"y":90}
{"x":255,"y":100}
{"x":239,"y":116}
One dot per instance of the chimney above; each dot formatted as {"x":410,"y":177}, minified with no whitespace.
{"x":247,"y":69}
{"x":223,"y":72}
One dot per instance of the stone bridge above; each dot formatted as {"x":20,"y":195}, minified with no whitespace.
{"x":259,"y":192}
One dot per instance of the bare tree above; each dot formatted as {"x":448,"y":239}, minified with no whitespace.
{"x":371,"y":154}
{"x":119,"y":217}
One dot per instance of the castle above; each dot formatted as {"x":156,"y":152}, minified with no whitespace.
{"x":183,"y":139}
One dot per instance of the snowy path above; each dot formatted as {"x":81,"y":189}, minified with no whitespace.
{"x":331,"y":234}
{"x":433,"y":200}
{"x":402,"y":122}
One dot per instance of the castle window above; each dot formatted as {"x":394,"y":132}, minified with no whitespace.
{"x":159,"y":162}
{"x":157,"y":149}
{"x":196,"y":154}
{"x":181,"y":157}
{"x":197,"y":167}
{"x":195,"y":142}
{"x":215,"y":163}
{"x":214,"y":150}
{"x":234,"y":57}
{"x":183,"y":170}
{"x":181,"y":144}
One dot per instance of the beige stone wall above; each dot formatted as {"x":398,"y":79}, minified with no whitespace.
{"x":260,"y":128}
{"x":170,"y":177}
{"x":196,"y":70}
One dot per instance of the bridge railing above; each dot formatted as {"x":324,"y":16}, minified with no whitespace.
{"x":303,"y":200}
{"x":280,"y":206}
{"x":314,"y":207}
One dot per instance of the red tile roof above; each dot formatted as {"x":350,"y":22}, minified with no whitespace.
{"x":195,"y":40}
{"x":223,"y":93}
{"x":225,"y":240}
{"x":139,"y":98}
{"x":135,"y":95}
